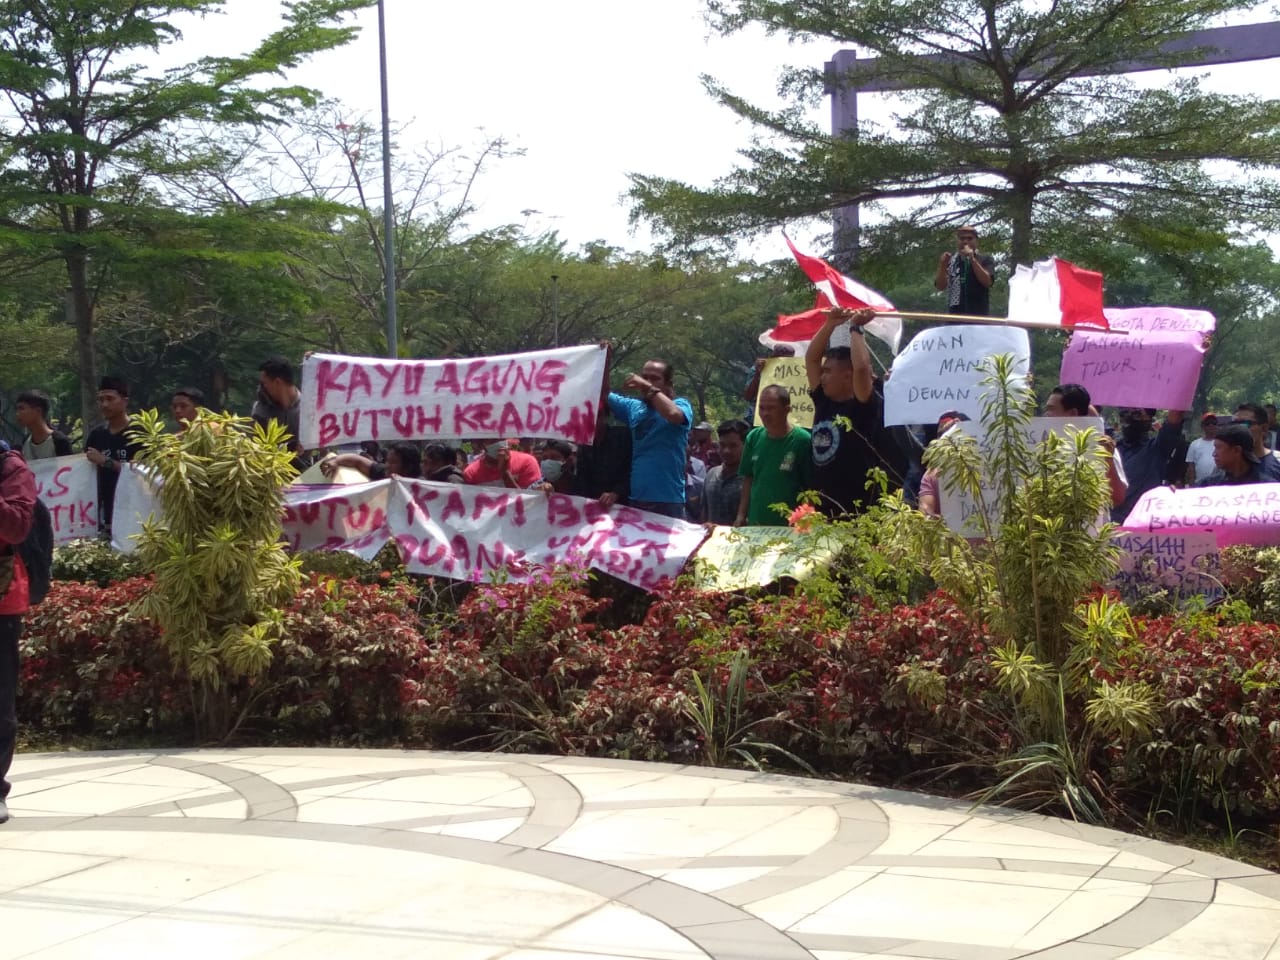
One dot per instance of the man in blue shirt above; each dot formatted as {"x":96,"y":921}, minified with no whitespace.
{"x":659,"y":423}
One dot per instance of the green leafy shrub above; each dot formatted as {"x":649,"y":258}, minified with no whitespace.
{"x":93,"y":561}
{"x":1251,"y":576}
{"x":215,"y":550}
{"x":338,"y":564}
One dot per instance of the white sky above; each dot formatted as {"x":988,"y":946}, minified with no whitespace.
{"x":590,"y":89}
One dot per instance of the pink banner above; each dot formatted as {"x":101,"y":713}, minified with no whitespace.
{"x":1248,"y":513}
{"x":1147,"y":368}
{"x":1161,"y":319}
{"x":465,"y":532}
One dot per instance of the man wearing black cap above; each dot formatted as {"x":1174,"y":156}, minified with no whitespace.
{"x":1237,"y":463}
{"x":108,"y":446}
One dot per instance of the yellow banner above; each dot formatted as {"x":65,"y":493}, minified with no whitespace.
{"x":788,"y":372}
{"x":734,"y":558}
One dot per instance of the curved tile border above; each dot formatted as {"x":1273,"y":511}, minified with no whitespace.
{"x":719,"y":929}
{"x":713,"y":921}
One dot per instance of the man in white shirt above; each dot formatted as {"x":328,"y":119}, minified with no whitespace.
{"x":1200,"y":451}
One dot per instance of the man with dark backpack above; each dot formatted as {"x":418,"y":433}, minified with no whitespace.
{"x":17,"y":514}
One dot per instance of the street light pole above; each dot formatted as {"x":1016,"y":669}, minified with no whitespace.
{"x":388,"y":208}
{"x":555,"y":310}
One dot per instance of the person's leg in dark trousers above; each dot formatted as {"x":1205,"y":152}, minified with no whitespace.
{"x":10,"y":630}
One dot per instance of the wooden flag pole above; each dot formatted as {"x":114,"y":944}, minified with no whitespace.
{"x":993,"y":321}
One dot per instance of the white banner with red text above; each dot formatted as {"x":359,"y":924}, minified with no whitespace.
{"x":461,"y":532}
{"x":552,"y":394}
{"x":465,"y":532}
{"x":69,"y":488}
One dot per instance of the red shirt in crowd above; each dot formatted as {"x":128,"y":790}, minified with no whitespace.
{"x":485,"y":472}
{"x":17,"y":503}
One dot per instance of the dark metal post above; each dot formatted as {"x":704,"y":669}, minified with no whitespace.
{"x":388,"y":205}
{"x":555,"y":310}
{"x":840,"y":84}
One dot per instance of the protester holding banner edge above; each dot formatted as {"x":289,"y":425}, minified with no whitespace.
{"x":110,"y":445}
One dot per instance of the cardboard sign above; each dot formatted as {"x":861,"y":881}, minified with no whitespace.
{"x":961,"y":512}
{"x":788,"y":372}
{"x":1166,"y":319}
{"x":551,"y":393}
{"x":735,"y":558}
{"x":1245,"y":513}
{"x":69,"y":488}
{"x":1182,"y":562}
{"x":1146,"y":368}
{"x":352,"y":518}
{"x":465,"y":532}
{"x":942,"y":369}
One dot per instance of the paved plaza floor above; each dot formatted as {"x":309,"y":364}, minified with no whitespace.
{"x":310,"y":854}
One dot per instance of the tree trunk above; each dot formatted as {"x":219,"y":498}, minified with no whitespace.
{"x":1021,"y":219}
{"x":81,"y":309}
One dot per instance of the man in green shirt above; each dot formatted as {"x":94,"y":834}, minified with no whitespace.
{"x":775,"y":464}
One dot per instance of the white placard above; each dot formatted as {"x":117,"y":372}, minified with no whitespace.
{"x":69,"y":488}
{"x":942,"y":369}
{"x":960,"y":511}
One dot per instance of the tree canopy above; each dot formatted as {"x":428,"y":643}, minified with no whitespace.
{"x":1013,"y":116}
{"x":96,"y":143}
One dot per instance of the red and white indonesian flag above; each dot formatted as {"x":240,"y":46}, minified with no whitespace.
{"x":834,"y":289}
{"x":1055,"y":291}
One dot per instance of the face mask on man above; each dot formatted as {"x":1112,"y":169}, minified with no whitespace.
{"x":263,"y":396}
{"x":552,"y":470}
{"x":1136,"y":430}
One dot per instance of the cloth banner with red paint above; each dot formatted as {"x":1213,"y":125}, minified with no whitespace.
{"x":69,"y":488}
{"x":466,"y":533}
{"x":551,"y":394}
{"x":352,"y":518}
{"x":463,"y":532}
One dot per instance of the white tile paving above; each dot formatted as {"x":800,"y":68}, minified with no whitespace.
{"x":520,"y":865}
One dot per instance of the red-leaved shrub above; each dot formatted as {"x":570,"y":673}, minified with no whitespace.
{"x":1218,"y":742}
{"x":88,"y":664}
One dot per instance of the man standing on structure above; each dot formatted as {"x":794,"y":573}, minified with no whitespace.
{"x":966,"y":276}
